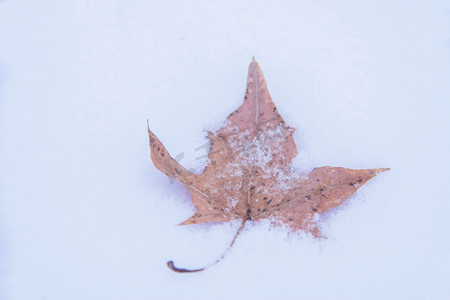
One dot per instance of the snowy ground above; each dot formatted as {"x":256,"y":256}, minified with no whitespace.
{"x":85,"y":215}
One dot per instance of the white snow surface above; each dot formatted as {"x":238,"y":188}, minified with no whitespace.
{"x":84,"y":214}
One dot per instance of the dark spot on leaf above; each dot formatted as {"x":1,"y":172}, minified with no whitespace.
{"x":359,"y":180}
{"x":321,"y":189}
{"x":308,"y":197}
{"x":351,"y":184}
{"x":314,"y":209}
{"x":274,"y":109}
{"x":268,"y":202}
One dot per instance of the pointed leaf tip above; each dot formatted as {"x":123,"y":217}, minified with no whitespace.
{"x":254,"y":62}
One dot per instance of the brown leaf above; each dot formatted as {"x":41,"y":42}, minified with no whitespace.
{"x":249,"y":175}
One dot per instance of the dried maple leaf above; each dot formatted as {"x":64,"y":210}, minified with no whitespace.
{"x":249,"y":175}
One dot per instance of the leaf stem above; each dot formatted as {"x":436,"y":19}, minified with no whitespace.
{"x":171,"y":265}
{"x":178,"y":270}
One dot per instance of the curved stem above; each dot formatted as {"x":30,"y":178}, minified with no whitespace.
{"x":178,"y":270}
{"x":171,"y":265}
